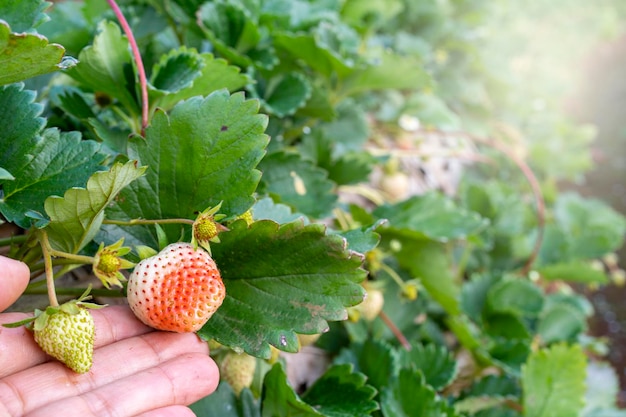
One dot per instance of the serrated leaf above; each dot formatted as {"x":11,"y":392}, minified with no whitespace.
{"x":362,"y":239}
{"x":215,"y":75}
{"x":102,"y":66}
{"x":298,"y":183}
{"x":176,"y":70}
{"x":408,"y":396}
{"x":279,"y":398}
{"x":553,"y":382}
{"x":378,"y":360}
{"x":341,"y":393}
{"x":269,"y":296}
{"x":77,"y":216}
{"x":517,"y":296}
{"x":573,"y":271}
{"x":26,"y":55}
{"x":24,"y":15}
{"x":431,"y":215}
{"x":509,"y":354}
{"x":494,"y":386}
{"x":560,"y":323}
{"x":43,"y":163}
{"x":205,"y":152}
{"x":283,"y":95}
{"x":436,"y":363}
{"x":391,"y":71}
{"x":266,"y":209}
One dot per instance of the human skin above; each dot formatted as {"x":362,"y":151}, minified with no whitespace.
{"x":136,"y":372}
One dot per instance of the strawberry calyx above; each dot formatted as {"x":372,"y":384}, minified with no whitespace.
{"x":108,"y":262}
{"x":39,"y":319}
{"x":206,"y":228}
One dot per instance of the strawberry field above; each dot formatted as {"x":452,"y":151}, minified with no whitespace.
{"x":377,"y":185}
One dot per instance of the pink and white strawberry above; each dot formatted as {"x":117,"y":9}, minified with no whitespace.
{"x":176,"y":290}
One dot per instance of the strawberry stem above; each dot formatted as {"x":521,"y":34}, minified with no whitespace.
{"x":47,"y":258}
{"x":140,"y":68}
{"x":135,"y":222}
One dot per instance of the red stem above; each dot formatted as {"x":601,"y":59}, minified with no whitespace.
{"x":143,"y":83}
{"x":394,"y":329}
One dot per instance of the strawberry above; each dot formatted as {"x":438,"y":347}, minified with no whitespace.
{"x":238,"y":370}
{"x":68,"y":337}
{"x":177,"y":290}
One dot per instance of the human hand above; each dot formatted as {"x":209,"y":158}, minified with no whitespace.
{"x":136,"y":372}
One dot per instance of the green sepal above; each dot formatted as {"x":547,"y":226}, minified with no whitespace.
{"x":19,"y":323}
{"x":41,"y":320}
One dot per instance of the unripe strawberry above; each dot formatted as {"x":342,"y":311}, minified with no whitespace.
{"x":238,"y":370}
{"x":372,"y":305}
{"x":68,"y":337}
{"x":177,"y":290}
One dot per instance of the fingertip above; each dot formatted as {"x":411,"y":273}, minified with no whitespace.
{"x":14,"y":278}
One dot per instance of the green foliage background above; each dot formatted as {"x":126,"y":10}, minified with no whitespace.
{"x":288,"y":109}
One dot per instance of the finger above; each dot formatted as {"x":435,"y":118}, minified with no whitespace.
{"x":18,"y":350}
{"x":52,"y":381}
{"x":14,"y":279}
{"x":172,"y":411}
{"x":179,"y":381}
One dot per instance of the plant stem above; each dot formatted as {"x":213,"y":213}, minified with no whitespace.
{"x":393,"y":274}
{"x":136,"y":222}
{"x":139,"y":62}
{"x":394,"y":329}
{"x":52,"y":296}
{"x":13,"y":239}
{"x":76,"y":292}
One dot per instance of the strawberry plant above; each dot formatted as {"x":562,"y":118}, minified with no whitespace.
{"x":346,"y":168}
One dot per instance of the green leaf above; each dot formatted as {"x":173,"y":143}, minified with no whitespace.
{"x":378,"y":360}
{"x":431,"y":215}
{"x":77,"y":216}
{"x":474,"y":404}
{"x":215,"y":75}
{"x":280,"y":400}
{"x":307,"y":48}
{"x":474,"y":295}
{"x":391,"y":71}
{"x":553,"y":382}
{"x":26,"y":55}
{"x":494,"y":386}
{"x":362,"y":239}
{"x":43,"y":163}
{"x":591,"y":226}
{"x":205,"y":152}
{"x":176,"y":70}
{"x":517,"y":296}
{"x":24,"y":15}
{"x":225,"y":403}
{"x":435,"y":362}
{"x":341,"y":393}
{"x":102,"y":66}
{"x":561,"y":322}
{"x":409,"y":396}
{"x":428,"y":261}
{"x":507,"y":325}
{"x":319,"y":279}
{"x":266,"y":209}
{"x":298,"y":183}
{"x":573,"y":271}
{"x":283,"y":95}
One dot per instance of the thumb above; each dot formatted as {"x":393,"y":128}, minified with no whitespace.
{"x":14,"y":277}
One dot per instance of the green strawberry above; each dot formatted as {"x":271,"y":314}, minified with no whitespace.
{"x":67,"y":336}
{"x":238,"y":370}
